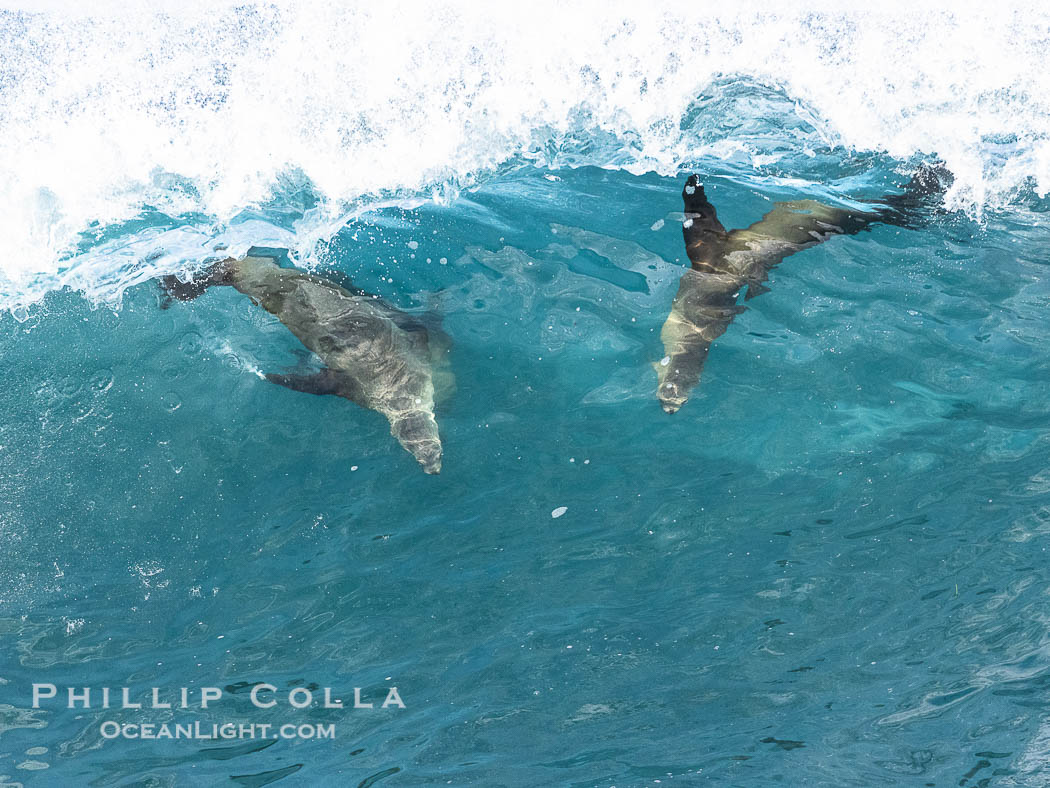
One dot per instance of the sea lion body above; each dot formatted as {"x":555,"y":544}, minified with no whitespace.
{"x":724,"y":262}
{"x":374,"y":355}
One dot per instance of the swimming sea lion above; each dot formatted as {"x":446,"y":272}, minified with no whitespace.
{"x":374,"y":355}
{"x":723,"y":263}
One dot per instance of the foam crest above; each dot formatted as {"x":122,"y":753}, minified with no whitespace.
{"x":157,"y":134}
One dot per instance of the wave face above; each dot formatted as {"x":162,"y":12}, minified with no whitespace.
{"x":134,"y":143}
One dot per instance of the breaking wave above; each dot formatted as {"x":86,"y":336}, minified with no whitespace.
{"x":136,"y":142}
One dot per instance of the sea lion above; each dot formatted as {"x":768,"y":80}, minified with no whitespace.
{"x":724,"y":262}
{"x":374,"y":355}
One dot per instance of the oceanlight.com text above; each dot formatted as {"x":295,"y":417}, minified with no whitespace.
{"x":111,"y":729}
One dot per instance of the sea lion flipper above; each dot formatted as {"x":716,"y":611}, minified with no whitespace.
{"x":694,"y":199}
{"x":176,"y":289}
{"x":755,"y":289}
{"x":324,"y":382}
{"x":439,"y":345}
{"x":701,"y":230}
{"x":796,"y":225}
{"x":913,"y":207}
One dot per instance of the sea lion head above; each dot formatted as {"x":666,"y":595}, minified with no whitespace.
{"x":678,"y":373}
{"x":429,"y":456}
{"x":675,"y":383}
{"x":671,"y":397}
{"x":417,"y":431}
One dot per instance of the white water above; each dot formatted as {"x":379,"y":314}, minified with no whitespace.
{"x":203,"y":111}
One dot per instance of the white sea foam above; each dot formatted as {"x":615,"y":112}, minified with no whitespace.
{"x":202,"y":111}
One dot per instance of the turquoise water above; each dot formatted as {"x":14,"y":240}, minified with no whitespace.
{"x":828,"y":569}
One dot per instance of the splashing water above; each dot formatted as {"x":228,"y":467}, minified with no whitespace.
{"x":134,"y":142}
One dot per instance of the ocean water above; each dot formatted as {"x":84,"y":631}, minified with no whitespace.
{"x":828,"y":569}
